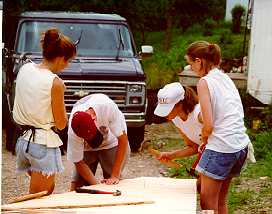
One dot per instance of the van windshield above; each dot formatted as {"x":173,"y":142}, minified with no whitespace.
{"x":97,"y":39}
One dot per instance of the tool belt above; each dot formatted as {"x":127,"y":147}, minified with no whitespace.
{"x":24,"y":128}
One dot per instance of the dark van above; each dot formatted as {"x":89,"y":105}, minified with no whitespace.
{"x":107,"y":62}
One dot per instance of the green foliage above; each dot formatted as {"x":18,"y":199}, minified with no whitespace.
{"x":237,"y":13}
{"x":163,"y":67}
{"x":263,"y":167}
{"x":266,"y":118}
{"x":262,"y":143}
{"x":225,"y":37}
{"x":195,"y":29}
{"x":209,"y":24}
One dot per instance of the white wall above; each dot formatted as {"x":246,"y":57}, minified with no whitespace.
{"x":231,"y":3}
{"x":259,"y":82}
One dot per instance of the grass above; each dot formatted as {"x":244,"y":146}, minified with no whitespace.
{"x":163,"y":67}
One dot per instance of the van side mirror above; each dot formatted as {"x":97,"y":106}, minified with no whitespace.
{"x":146,"y":51}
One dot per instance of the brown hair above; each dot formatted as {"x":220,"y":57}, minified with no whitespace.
{"x":209,"y":53}
{"x":190,"y":100}
{"x":55,"y":44}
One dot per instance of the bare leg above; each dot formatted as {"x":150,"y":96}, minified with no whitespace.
{"x":198,"y":185}
{"x":40,"y":182}
{"x":222,"y":202}
{"x":209,"y":194}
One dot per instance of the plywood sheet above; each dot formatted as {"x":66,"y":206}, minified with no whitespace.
{"x":166,"y":194}
{"x":77,"y":200}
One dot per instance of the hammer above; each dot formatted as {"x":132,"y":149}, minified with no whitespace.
{"x":176,"y":165}
{"x":170,"y":163}
{"x":94,"y":191}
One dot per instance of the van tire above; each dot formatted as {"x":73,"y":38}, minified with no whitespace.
{"x":136,"y":138}
{"x":12,"y":134}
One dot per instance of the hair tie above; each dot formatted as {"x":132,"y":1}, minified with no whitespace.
{"x":210,"y":47}
{"x":59,"y":37}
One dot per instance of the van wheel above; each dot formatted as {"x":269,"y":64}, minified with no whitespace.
{"x":12,"y":134}
{"x":63,"y":134}
{"x":136,"y":137}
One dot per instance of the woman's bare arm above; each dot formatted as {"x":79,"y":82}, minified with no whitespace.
{"x":206,"y":109}
{"x":57,"y":102}
{"x":190,"y":149}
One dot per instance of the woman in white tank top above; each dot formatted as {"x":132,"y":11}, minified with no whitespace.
{"x":39,"y":109}
{"x":224,"y":140}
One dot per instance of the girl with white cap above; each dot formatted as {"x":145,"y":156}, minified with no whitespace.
{"x":180,"y":104}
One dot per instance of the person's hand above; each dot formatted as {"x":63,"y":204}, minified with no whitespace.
{"x":110,"y":181}
{"x":165,"y":156}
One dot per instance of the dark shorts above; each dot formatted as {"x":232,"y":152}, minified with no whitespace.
{"x":104,"y":157}
{"x":219,"y":165}
{"x":39,"y":158}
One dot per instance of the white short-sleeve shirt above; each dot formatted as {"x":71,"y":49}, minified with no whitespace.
{"x":191,"y":127}
{"x":109,"y":120}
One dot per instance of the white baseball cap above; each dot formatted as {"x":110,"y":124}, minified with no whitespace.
{"x":168,"y":97}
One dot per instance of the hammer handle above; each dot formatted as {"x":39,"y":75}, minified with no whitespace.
{"x":170,"y":163}
{"x":91,"y":191}
{"x":29,"y":196}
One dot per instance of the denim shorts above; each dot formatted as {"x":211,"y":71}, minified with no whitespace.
{"x":219,"y":165}
{"x":39,"y":158}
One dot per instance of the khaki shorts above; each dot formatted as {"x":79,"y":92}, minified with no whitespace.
{"x":104,"y":157}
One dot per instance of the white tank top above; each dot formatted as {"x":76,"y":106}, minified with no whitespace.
{"x":32,"y":103}
{"x":229,"y":133}
{"x":191,"y":127}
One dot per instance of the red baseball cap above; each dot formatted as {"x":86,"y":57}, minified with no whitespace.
{"x":83,"y":125}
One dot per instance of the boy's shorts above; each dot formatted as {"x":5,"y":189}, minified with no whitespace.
{"x":219,"y":165}
{"x":104,"y":157}
{"x":39,"y":158}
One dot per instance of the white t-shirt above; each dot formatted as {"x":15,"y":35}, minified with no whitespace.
{"x":191,"y":127}
{"x":229,"y":133}
{"x":109,"y":120}
{"x":32,"y":103}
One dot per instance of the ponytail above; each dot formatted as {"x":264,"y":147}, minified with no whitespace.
{"x":190,"y":100}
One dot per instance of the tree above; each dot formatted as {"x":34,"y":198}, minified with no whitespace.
{"x":237,"y":14}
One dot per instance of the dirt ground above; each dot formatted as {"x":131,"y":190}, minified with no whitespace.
{"x":140,"y":164}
